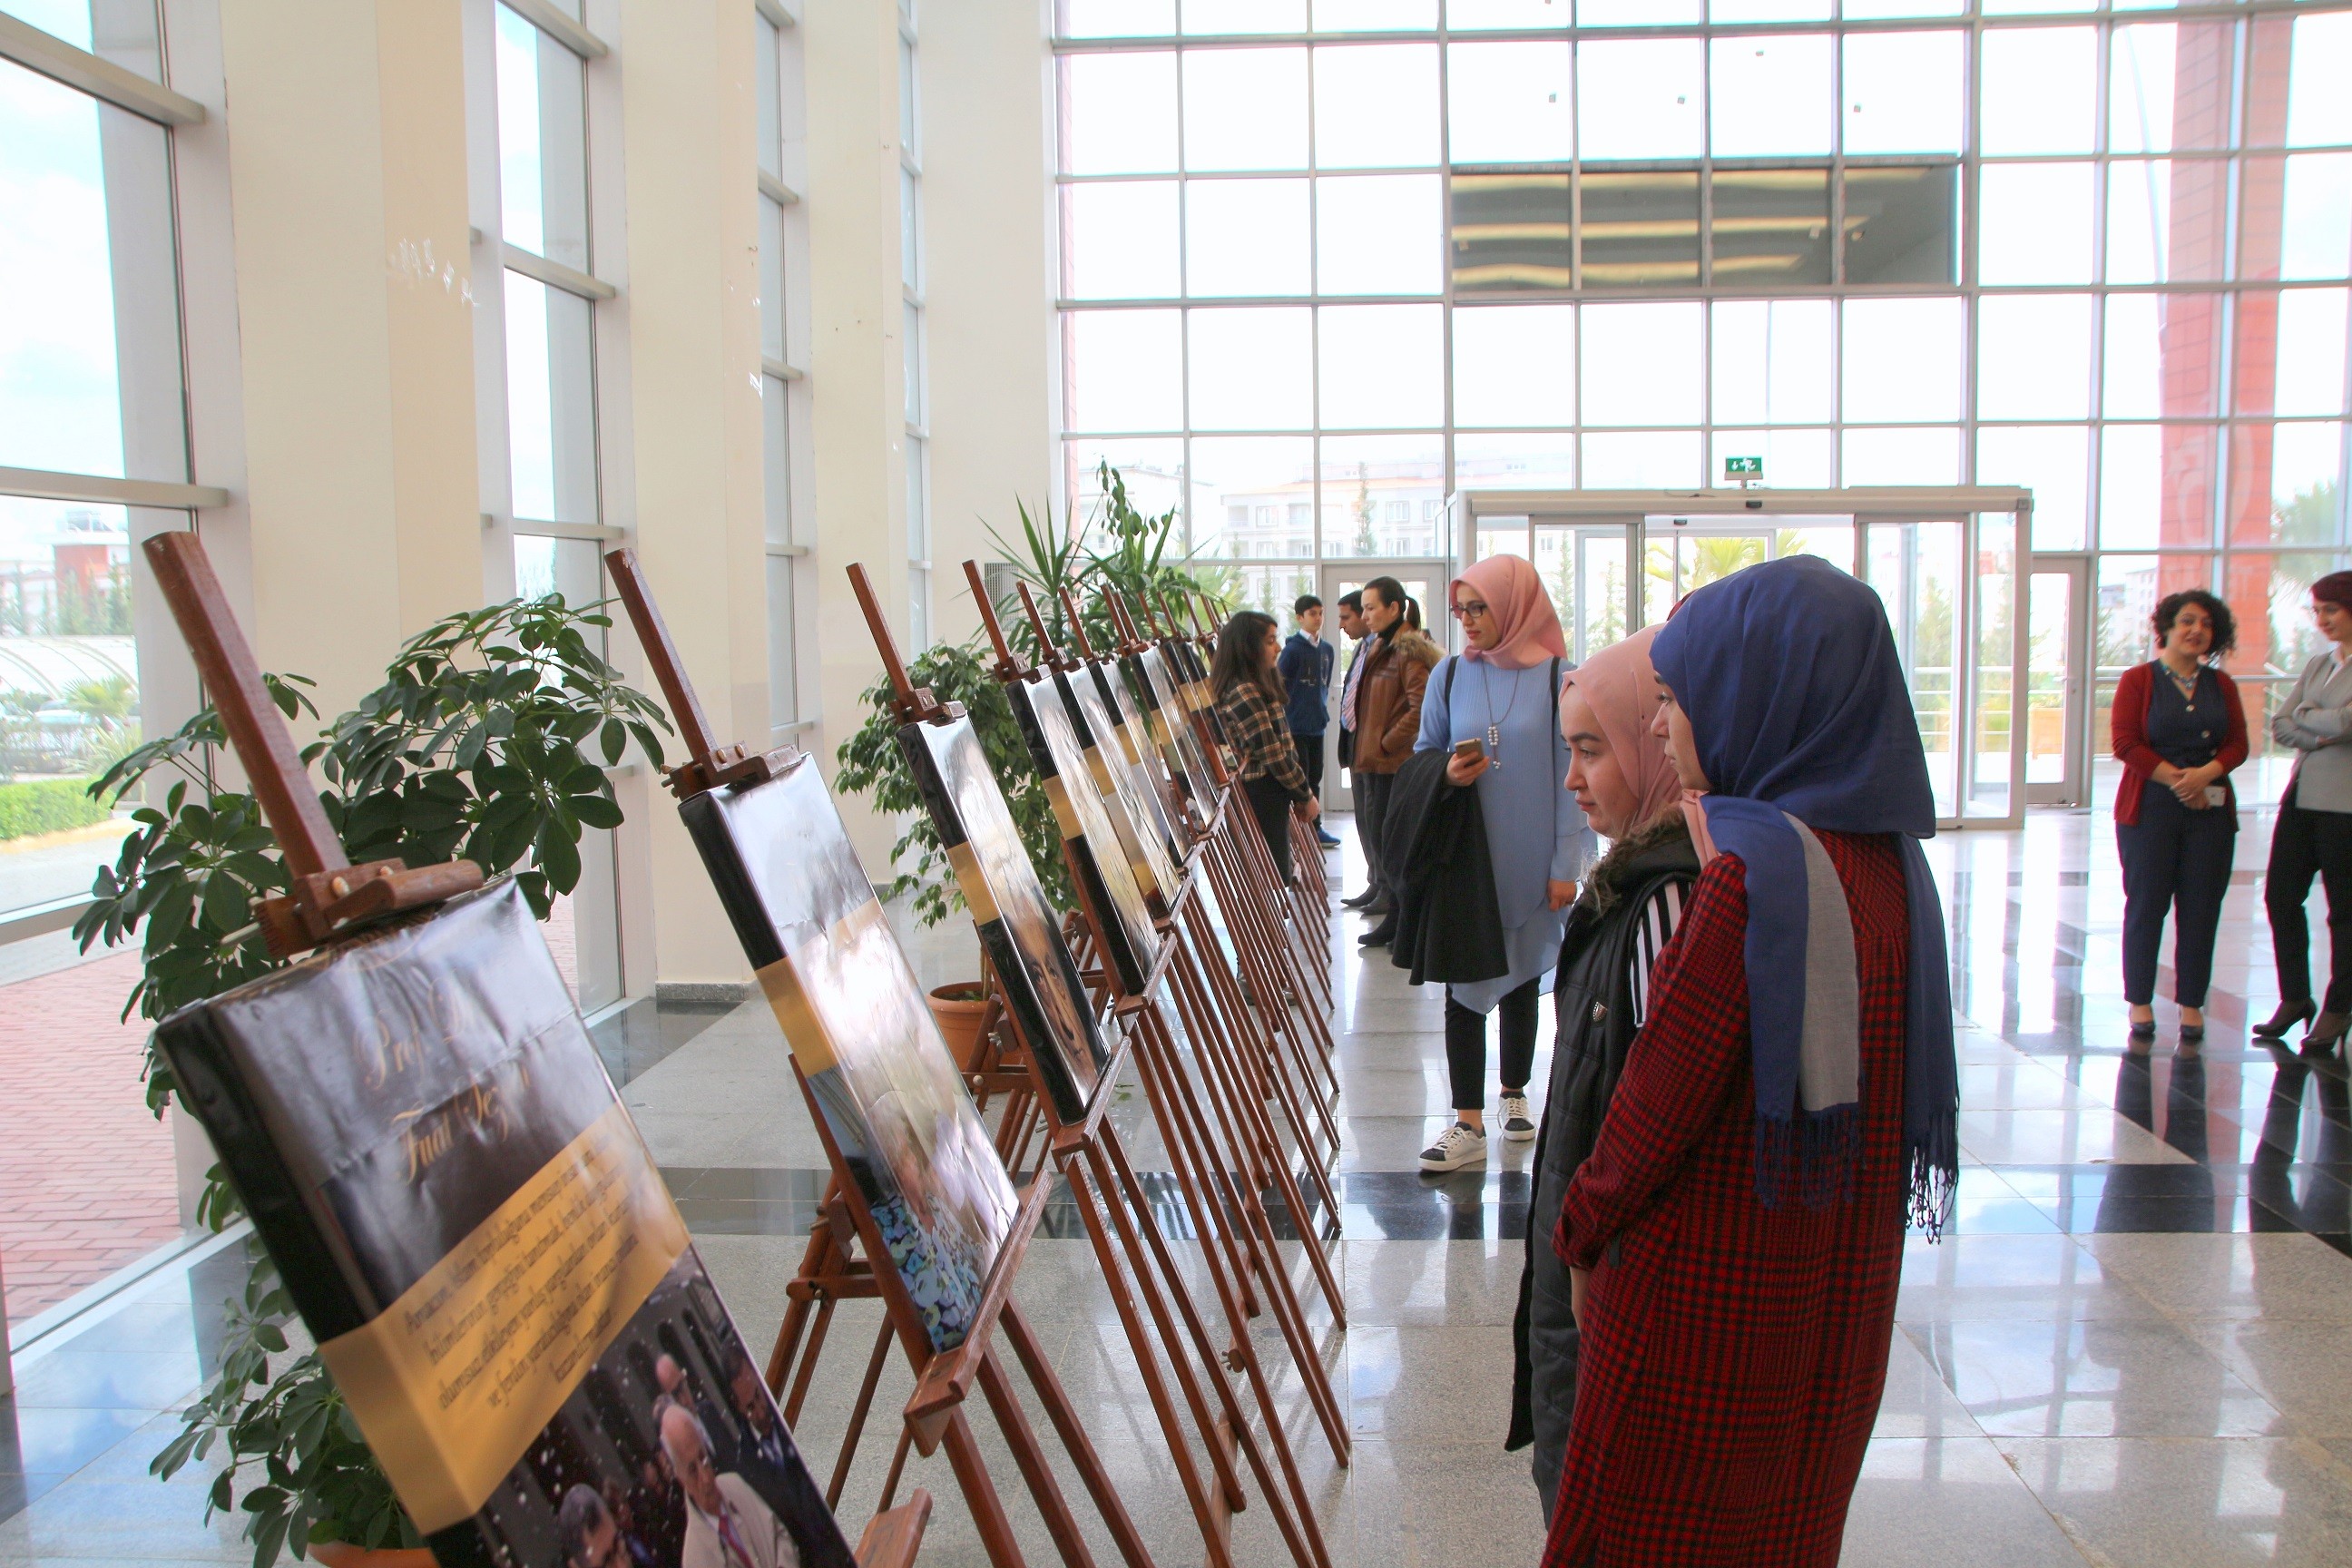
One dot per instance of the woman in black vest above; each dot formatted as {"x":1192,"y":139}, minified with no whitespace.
{"x":1620,"y":923}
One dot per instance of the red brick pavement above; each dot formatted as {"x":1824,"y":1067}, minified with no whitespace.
{"x":87,"y":1182}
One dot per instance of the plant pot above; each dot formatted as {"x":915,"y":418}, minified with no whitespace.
{"x":957,"y":1009}
{"x":335,"y":1554}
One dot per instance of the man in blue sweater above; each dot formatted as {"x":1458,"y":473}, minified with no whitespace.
{"x":1305,"y":668}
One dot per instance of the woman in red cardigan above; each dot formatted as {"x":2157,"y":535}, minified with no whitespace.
{"x":2179,"y":731}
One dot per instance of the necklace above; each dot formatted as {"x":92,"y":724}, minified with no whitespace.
{"x":1493,"y":729}
{"x":2187,"y":687}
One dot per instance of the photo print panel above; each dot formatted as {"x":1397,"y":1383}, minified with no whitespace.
{"x":891,"y":1094}
{"x":1085,"y":821}
{"x":1020,"y":931}
{"x":1146,"y":769}
{"x":1124,"y":796}
{"x":478,"y":1241}
{"x":1173,"y":728}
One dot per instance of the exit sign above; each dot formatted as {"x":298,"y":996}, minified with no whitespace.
{"x":1744,"y":471}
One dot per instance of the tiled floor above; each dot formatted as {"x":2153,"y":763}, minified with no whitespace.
{"x":2135,"y":1350}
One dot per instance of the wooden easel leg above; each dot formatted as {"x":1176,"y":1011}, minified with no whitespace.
{"x":856,"y":1427}
{"x":1281,"y":1063}
{"x":1208,"y":1513}
{"x":1057,"y":1399}
{"x":1241,"y":1355}
{"x":818,"y":1329}
{"x":814,"y":1260}
{"x":1021,"y":1439}
{"x":1271,"y":965}
{"x":1258,"y":1244}
{"x":1139,"y":1229}
{"x":1164,"y":1079}
{"x":1252,"y":1128}
{"x":1199,"y":1015}
{"x":979,"y":1495}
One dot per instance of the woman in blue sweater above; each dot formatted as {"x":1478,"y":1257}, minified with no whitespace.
{"x":1504,"y":693}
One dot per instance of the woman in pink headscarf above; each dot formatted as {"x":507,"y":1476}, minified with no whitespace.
{"x":1502,"y":692}
{"x":1627,"y":788}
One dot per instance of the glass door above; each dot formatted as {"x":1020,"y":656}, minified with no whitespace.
{"x":2057,"y":728}
{"x":1682,"y":554}
{"x":1916,"y":567}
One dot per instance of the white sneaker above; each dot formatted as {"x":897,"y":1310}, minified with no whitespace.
{"x":1517,"y":1126}
{"x":1459,"y":1145}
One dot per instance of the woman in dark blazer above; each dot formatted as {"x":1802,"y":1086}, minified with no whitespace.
{"x":2179,"y":731}
{"x":2314,"y":835}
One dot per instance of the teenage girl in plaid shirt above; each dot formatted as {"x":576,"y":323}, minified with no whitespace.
{"x":1251,"y":699}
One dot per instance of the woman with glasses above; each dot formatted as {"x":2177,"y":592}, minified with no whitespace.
{"x":1496,"y":706}
{"x":2314,"y":835}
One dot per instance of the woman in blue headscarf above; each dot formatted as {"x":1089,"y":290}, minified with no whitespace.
{"x":1736,"y":1235}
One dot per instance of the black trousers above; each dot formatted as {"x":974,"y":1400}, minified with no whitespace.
{"x":2307,"y":844}
{"x":1310,"y":757}
{"x":1465,"y":1045}
{"x":2176,"y":861}
{"x":1372,"y":792}
{"x":1270,"y":804}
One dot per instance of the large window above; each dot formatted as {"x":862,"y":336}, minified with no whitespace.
{"x":546,"y":239}
{"x":1323,"y":265}
{"x":783,"y":381}
{"x":94,"y":458}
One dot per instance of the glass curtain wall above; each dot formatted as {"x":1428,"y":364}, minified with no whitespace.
{"x":1323,"y":264}
{"x":783,"y":334}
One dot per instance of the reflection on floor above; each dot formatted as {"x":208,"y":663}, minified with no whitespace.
{"x":2131,"y":1352}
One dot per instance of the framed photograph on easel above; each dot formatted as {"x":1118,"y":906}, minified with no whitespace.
{"x":1019,"y":930}
{"x":855,"y":1018}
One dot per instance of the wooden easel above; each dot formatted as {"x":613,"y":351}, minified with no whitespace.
{"x":840,"y":1260}
{"x":1237,"y":1079}
{"x":1090,"y":1147}
{"x":1255,"y":1044}
{"x":334,"y":900}
{"x":1243,"y":875}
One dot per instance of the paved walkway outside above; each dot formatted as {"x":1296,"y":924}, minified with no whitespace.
{"x":86,"y":1174}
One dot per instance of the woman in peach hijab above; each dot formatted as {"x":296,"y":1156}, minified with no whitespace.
{"x":1628,"y":790}
{"x":1502,"y":692}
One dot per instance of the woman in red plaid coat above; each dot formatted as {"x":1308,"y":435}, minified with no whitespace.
{"x":1737,"y":1234}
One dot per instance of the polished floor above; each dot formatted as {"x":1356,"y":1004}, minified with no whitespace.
{"x":2135,"y":1350}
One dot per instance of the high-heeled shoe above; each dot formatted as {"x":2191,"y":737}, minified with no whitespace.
{"x":2326,"y":1032}
{"x":2288,"y":1015}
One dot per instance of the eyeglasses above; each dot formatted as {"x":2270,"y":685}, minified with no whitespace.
{"x":1470,"y":609}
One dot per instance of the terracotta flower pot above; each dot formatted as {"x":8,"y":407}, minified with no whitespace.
{"x":957,"y":1010}
{"x":335,"y":1554}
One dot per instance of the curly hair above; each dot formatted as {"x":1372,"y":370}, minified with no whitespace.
{"x":2225,"y":624}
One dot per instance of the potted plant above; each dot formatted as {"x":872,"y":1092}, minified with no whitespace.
{"x":478,"y":744}
{"x":872,"y":765}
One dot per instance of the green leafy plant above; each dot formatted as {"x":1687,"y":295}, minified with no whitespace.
{"x":1138,"y":556}
{"x":873,"y":764}
{"x":476,"y":744}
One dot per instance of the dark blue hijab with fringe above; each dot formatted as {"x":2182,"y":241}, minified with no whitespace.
{"x":1788,"y":674}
